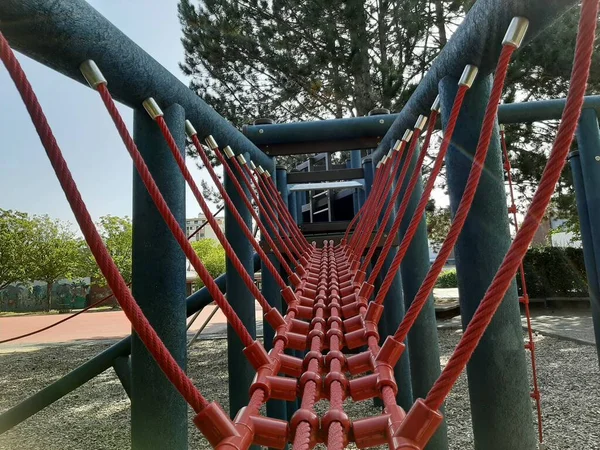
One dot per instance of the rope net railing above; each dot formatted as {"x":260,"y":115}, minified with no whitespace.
{"x":332,"y":306}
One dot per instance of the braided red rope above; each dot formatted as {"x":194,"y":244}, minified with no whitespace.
{"x":247,"y":232}
{"x":420,"y":209}
{"x":244,"y":197}
{"x":387,"y":201}
{"x":107,"y":266}
{"x":392,"y":201}
{"x":501,"y":282}
{"x":466,"y":201}
{"x":167,"y":215}
{"x":233,"y":258}
{"x":525,"y":297}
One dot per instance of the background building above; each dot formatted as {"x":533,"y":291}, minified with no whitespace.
{"x":192,"y":225}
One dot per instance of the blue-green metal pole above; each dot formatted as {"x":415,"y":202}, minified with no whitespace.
{"x":299,"y":202}
{"x":359,"y":194}
{"x":241,"y":372}
{"x":367,"y":164}
{"x":271,"y":291}
{"x":158,"y":412}
{"x":282,"y":187}
{"x":497,"y":372}
{"x":394,"y":312}
{"x":586,"y":179}
{"x":423,"y":337}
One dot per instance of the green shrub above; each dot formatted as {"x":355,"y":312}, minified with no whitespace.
{"x":447,"y":279}
{"x":554,"y":272}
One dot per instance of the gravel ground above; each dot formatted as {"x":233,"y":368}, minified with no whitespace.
{"x":96,"y":416}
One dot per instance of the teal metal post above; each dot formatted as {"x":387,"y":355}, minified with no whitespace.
{"x":394,"y":312}
{"x":282,"y":187}
{"x":271,"y":291}
{"x":423,"y":337}
{"x":158,"y":412}
{"x":241,"y":372}
{"x":586,"y":179}
{"x":367,"y":164}
{"x":359,"y":194}
{"x":497,"y":373}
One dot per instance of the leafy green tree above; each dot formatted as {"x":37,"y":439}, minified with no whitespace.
{"x":212,"y":255}
{"x":16,"y":236}
{"x":117,"y":234}
{"x":438,"y":224}
{"x":55,"y":253}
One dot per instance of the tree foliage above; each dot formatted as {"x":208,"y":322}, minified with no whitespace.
{"x":438,"y":224}
{"x":55,"y":253}
{"x":16,"y":237}
{"x":117,"y":235}
{"x":212,"y":255}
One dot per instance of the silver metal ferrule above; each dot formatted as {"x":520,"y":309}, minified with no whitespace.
{"x":420,"y":123}
{"x":241,"y":159}
{"x":260,"y":170}
{"x":437,"y":104}
{"x":189,"y":129}
{"x":468,"y":76}
{"x":267,"y":174}
{"x":92,"y":74}
{"x":407,"y":135}
{"x":378,"y":164}
{"x":252,"y":165}
{"x":228,"y":152}
{"x":210,"y":141}
{"x":397,"y":145}
{"x":501,"y":127}
{"x":516,"y":31}
{"x":152,"y":108}
{"x":384,"y":159}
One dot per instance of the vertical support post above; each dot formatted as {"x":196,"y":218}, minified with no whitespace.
{"x":586,"y":179}
{"x":497,"y":371}
{"x":359,"y":194}
{"x":293,"y":206}
{"x":299,"y":202}
{"x":367,"y":164}
{"x":394,"y":313}
{"x":241,"y":372}
{"x":423,"y":337}
{"x":271,"y":291}
{"x":282,"y":187}
{"x":158,"y":412}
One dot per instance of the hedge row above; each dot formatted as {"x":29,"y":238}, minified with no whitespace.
{"x":549,"y":271}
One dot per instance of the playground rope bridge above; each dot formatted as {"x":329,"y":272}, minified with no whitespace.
{"x":325,"y":339}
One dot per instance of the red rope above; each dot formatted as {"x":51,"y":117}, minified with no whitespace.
{"x":420,"y":209}
{"x":501,"y":282}
{"x":167,"y":215}
{"x":466,"y":201}
{"x":247,"y":232}
{"x":244,"y":197}
{"x":233,"y":258}
{"x":392,"y":201}
{"x":525,"y":297}
{"x":106,"y":264}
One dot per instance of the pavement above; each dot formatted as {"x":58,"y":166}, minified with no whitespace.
{"x":575,"y":325}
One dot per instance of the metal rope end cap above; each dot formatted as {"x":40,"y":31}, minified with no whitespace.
{"x":501,"y":127}
{"x":420,"y":123}
{"x":384,"y":159}
{"x":468,"y":76}
{"x":516,"y":31}
{"x":228,"y":152}
{"x":189,"y":129}
{"x":437,"y":104}
{"x":397,"y":145}
{"x":267,"y":174}
{"x":378,"y":165}
{"x":407,"y":135}
{"x":210,"y":141}
{"x":260,"y":170}
{"x":92,"y":74}
{"x":152,"y":108}
{"x":241,"y":159}
{"x":252,"y":165}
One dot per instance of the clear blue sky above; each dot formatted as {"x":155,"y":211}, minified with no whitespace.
{"x":90,"y":143}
